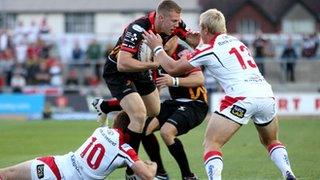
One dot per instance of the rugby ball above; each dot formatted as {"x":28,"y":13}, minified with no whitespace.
{"x":145,"y":54}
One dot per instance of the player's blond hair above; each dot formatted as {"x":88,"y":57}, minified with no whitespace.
{"x":168,"y":5}
{"x":214,"y":20}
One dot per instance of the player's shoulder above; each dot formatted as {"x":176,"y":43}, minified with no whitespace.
{"x":141,"y":24}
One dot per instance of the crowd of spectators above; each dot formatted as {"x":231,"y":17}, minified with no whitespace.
{"x":27,"y":59}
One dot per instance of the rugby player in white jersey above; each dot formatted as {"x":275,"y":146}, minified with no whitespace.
{"x":248,"y":95}
{"x":103,"y":152}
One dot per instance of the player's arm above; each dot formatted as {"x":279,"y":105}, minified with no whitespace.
{"x":192,"y":38}
{"x":146,"y":170}
{"x":194,"y":79}
{"x":171,"y":66}
{"x":126,"y":63}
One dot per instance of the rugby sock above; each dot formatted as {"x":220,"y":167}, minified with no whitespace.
{"x":134,"y":141}
{"x":177,"y":151}
{"x":152,"y":147}
{"x":110,"y":105}
{"x":279,"y":156}
{"x":213,"y":164}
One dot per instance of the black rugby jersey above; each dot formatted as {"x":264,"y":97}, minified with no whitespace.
{"x":131,"y":38}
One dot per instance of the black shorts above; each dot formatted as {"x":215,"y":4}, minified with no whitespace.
{"x":183,"y":115}
{"x":121,"y":84}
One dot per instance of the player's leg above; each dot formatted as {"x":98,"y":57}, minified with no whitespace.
{"x":267,"y":126}
{"x":152,"y":103}
{"x":180,"y":118}
{"x":269,"y":138}
{"x":219,"y":130}
{"x":20,"y":171}
{"x":133,"y":105}
{"x":168,"y":133}
{"x":152,"y":147}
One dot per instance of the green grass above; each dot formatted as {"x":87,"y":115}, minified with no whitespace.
{"x":244,"y":157}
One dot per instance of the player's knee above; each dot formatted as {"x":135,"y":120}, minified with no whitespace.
{"x":153,"y":112}
{"x":167,"y":135}
{"x":138,"y":116}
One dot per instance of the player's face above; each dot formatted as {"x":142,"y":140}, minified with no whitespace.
{"x":170,"y":21}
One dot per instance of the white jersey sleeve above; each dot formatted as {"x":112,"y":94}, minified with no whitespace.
{"x":230,"y":62}
{"x":103,"y":152}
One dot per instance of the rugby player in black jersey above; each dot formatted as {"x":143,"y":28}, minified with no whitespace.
{"x":128,"y":79}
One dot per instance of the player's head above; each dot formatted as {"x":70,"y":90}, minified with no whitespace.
{"x":212,"y":21}
{"x":172,"y":45}
{"x":121,"y":121}
{"x":167,"y":17}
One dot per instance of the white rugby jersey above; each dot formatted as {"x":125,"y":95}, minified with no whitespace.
{"x":232,"y":64}
{"x":102,"y":152}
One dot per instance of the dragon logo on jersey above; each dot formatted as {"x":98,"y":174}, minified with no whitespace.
{"x":238,"y":111}
{"x":40,"y":171}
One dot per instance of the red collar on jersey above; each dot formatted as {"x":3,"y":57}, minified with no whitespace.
{"x":213,"y":39}
{"x":152,"y":19}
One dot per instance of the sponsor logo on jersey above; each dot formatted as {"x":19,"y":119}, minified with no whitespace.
{"x":130,"y":37}
{"x":182,"y":108}
{"x":40,"y":171}
{"x":137,"y":28}
{"x":106,"y":136}
{"x":238,"y":111}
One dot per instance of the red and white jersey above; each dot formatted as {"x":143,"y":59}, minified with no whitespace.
{"x":102,"y":152}
{"x":232,"y":64}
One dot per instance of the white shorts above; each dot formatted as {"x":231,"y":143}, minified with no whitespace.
{"x":44,"y":168}
{"x":240,"y":109}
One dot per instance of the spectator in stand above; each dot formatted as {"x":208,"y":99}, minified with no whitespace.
{"x":4,"y":40}
{"x":20,"y":42}
{"x":289,"y":56}
{"x":33,"y":32}
{"x":72,"y":78}
{"x":259,"y":45}
{"x":270,"y":49}
{"x":310,"y":45}
{"x":18,"y":82}
{"x":56,"y":74}
{"x":94,"y":55}
{"x":77,"y":52}
{"x":77,"y":56}
{"x":42,"y":76}
{"x":2,"y":82}
{"x":72,"y":82}
{"x":6,"y":64}
{"x":44,"y":27}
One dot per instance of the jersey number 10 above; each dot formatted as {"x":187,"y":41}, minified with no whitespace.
{"x":97,"y":148}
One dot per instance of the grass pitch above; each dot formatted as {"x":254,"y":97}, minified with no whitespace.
{"x":244,"y":157}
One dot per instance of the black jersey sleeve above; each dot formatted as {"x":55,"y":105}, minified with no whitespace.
{"x":132,"y":36}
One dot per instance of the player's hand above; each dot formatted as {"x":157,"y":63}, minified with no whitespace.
{"x":164,"y":80}
{"x":193,"y":38}
{"x":152,"y":40}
